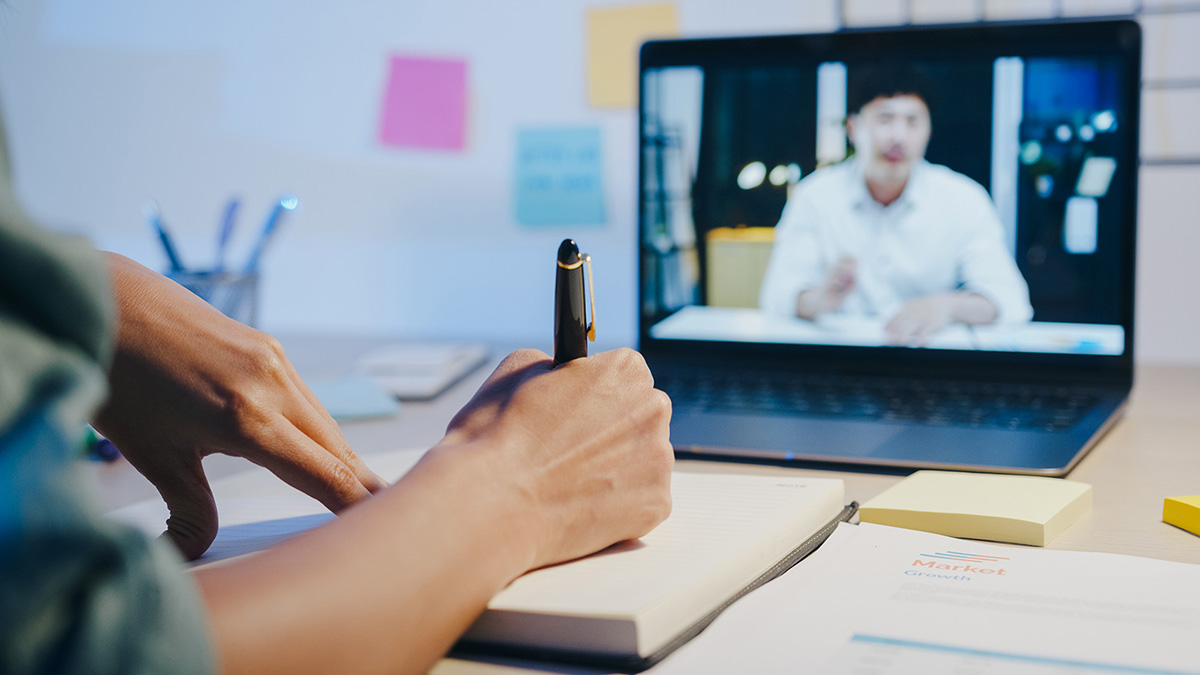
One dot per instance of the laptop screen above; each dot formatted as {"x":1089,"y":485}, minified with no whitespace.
{"x":945,"y":189}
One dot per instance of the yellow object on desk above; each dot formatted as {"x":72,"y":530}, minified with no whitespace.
{"x":1183,"y":512}
{"x":1016,"y":509}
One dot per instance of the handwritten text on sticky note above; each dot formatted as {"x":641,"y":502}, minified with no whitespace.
{"x":557,"y":179}
{"x":425,"y":103}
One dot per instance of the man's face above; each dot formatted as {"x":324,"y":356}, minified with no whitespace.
{"x":889,"y":134}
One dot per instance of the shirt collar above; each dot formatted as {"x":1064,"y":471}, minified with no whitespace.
{"x":914,"y":191}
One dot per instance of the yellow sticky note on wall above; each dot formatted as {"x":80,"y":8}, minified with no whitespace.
{"x":614,"y":35}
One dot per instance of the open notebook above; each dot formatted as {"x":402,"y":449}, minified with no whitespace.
{"x":626,"y":607}
{"x":634,"y":603}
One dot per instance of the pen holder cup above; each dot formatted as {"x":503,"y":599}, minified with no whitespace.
{"x":234,"y":295}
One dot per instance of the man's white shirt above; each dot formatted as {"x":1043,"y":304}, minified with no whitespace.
{"x":942,"y":234}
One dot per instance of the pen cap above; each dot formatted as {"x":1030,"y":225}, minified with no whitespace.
{"x":568,"y":252}
{"x":570,"y":324}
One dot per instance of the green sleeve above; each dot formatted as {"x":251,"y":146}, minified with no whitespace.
{"x":78,"y":593}
{"x":55,"y":313}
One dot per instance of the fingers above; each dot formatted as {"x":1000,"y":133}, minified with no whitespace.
{"x":304,"y":464}
{"x":844,"y":273}
{"x":658,"y":460}
{"x":311,"y":417}
{"x":917,"y":322}
{"x":314,"y":421}
{"x":296,"y":403}
{"x":925,"y":331}
{"x":192,"y":523}
{"x":612,"y":372}
{"x":529,"y":362}
{"x":615,"y":436}
{"x":586,"y":443}
{"x":838,"y":284}
{"x":629,"y":364}
{"x":899,"y":330}
{"x":910,"y":329}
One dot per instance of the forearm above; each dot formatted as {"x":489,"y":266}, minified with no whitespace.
{"x":386,"y":588}
{"x":971,"y":308}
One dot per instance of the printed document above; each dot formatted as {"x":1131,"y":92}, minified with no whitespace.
{"x":877,"y":599}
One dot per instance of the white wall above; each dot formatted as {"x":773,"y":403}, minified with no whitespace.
{"x":108,"y":103}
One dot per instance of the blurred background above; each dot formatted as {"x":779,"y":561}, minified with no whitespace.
{"x":439,"y":151}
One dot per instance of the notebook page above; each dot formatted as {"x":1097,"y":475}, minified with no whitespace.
{"x":715,"y":517}
{"x":257,"y":510}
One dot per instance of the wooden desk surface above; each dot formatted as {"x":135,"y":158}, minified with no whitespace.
{"x":1153,"y":452}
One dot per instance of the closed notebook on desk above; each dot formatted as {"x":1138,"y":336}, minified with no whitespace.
{"x":629,"y":606}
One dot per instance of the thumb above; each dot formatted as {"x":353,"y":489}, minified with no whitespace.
{"x":192,"y":524}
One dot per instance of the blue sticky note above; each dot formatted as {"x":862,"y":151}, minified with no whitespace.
{"x":354,"y":397}
{"x":557,"y":179}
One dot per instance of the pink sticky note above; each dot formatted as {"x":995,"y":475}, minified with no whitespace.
{"x":425,"y":104}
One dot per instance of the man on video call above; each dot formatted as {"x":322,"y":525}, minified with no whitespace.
{"x":886,"y":234}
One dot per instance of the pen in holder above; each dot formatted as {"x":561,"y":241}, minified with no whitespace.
{"x":234,"y":294}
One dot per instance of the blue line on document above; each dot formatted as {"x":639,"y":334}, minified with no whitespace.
{"x":1066,"y":663}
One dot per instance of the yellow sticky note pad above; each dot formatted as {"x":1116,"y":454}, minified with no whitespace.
{"x":614,"y":35}
{"x":1183,"y":512}
{"x":1015,"y":509}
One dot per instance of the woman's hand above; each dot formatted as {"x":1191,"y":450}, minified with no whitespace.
{"x":543,"y":465}
{"x":586,"y":444}
{"x":186,"y":381}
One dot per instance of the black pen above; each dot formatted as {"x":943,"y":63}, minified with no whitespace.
{"x":571,"y":329}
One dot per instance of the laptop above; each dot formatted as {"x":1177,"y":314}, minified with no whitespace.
{"x":901,"y":248}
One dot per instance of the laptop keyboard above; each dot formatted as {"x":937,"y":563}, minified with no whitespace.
{"x":1044,"y":408}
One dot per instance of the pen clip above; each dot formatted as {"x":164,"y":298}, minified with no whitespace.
{"x":591,"y":328}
